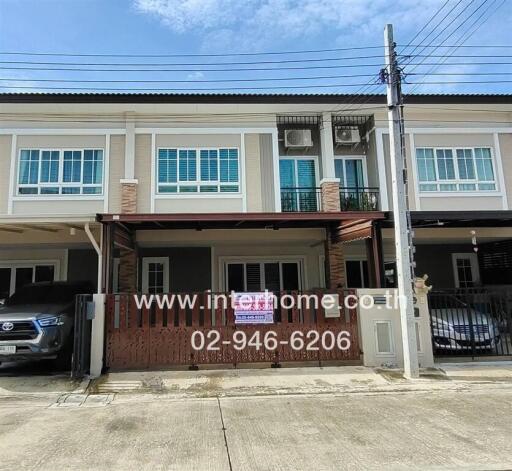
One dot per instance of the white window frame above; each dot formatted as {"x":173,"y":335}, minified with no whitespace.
{"x":60,"y":183}
{"x":225,"y":262}
{"x":198,"y":182}
{"x":14,"y":264}
{"x":475,"y":269}
{"x":145,"y":267}
{"x":353,"y":157}
{"x":457,"y":181}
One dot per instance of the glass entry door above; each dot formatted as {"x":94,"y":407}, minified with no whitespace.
{"x":298,"y":184}
{"x":17,"y":275}
{"x":259,"y":276}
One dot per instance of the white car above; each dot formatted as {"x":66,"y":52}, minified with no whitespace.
{"x":458,"y":327}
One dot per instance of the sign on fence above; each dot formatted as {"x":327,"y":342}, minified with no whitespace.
{"x":254,"y":308}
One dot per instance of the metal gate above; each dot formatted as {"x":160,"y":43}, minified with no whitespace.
{"x":471,"y":322}
{"x":168,"y":336}
{"x":82,"y":336}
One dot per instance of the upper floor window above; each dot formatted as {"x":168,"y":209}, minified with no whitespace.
{"x":198,"y":170}
{"x":60,"y":172}
{"x":350,"y":171}
{"x":455,"y":169}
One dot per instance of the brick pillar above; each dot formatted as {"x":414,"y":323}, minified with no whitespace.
{"x":335,"y":264}
{"x":330,"y":188}
{"x":127,"y":271}
{"x":129,"y":196}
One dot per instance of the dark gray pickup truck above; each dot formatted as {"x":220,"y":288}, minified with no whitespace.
{"x":37,"y":321}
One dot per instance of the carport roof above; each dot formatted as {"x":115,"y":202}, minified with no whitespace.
{"x":199,"y":221}
{"x":496,"y":218}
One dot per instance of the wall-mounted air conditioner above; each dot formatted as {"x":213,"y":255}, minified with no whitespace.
{"x":347,"y":136}
{"x":297,"y":138}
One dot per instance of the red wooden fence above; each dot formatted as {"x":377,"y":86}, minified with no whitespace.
{"x":157,"y":337}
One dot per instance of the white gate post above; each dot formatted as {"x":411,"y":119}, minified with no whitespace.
{"x":97,"y":335}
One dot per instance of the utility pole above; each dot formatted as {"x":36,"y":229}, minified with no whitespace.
{"x":401,"y":216}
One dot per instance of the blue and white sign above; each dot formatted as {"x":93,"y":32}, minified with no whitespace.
{"x":254,"y":308}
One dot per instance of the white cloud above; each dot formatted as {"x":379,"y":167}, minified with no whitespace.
{"x":195,"y":75}
{"x":249,"y":24}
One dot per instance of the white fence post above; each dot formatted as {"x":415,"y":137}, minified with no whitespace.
{"x":97,"y":335}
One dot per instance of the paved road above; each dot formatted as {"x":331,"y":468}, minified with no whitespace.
{"x":435,"y":430}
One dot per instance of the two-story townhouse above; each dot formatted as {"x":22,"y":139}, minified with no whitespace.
{"x":67,"y":158}
{"x":188,"y":193}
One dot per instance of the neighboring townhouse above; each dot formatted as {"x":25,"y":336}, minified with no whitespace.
{"x":185,"y":193}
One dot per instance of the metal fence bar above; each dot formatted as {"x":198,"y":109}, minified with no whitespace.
{"x":471,"y":322}
{"x":359,"y":198}
{"x":303,"y":199}
{"x":80,"y":360}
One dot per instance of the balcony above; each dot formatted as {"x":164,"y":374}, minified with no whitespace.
{"x":359,"y":199}
{"x":309,"y":199}
{"x":301,"y":200}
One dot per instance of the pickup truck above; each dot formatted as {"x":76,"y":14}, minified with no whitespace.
{"x":36,"y":322}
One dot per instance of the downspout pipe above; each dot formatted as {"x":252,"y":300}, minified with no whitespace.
{"x":98,"y":252}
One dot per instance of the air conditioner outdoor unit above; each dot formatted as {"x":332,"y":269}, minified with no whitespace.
{"x":297,"y":138}
{"x":347,"y":136}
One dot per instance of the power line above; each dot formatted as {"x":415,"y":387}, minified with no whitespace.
{"x":426,"y":24}
{"x":339,"y":85}
{"x":438,"y":25}
{"x":235,"y":54}
{"x":468,"y":33}
{"x":453,"y":31}
{"x":186,"y":64}
{"x":267,"y":79}
{"x":249,"y":69}
{"x":192,"y":81}
{"x":226,"y":54}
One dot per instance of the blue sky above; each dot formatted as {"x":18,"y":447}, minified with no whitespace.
{"x":230,"y":26}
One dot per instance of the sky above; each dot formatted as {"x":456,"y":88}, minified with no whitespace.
{"x":191,"y":27}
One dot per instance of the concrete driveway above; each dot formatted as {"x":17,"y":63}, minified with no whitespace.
{"x":443,"y":429}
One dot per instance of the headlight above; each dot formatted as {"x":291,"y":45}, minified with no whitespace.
{"x":50,"y":321}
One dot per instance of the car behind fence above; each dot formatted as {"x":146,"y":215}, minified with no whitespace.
{"x":471,"y":322}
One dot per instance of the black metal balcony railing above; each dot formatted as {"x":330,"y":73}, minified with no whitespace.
{"x":301,"y":199}
{"x":359,"y":199}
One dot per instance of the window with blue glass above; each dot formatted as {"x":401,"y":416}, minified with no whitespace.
{"x":60,"y":172}
{"x":298,"y":184}
{"x":455,"y":169}
{"x":198,"y":171}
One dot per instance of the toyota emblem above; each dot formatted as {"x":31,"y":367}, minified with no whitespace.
{"x":7,"y":326}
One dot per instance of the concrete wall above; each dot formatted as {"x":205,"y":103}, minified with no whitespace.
{"x":253,"y":173}
{"x":381,"y":333}
{"x":505,"y":141}
{"x":116,"y":172}
{"x":5,"y":165}
{"x":143,"y":171}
